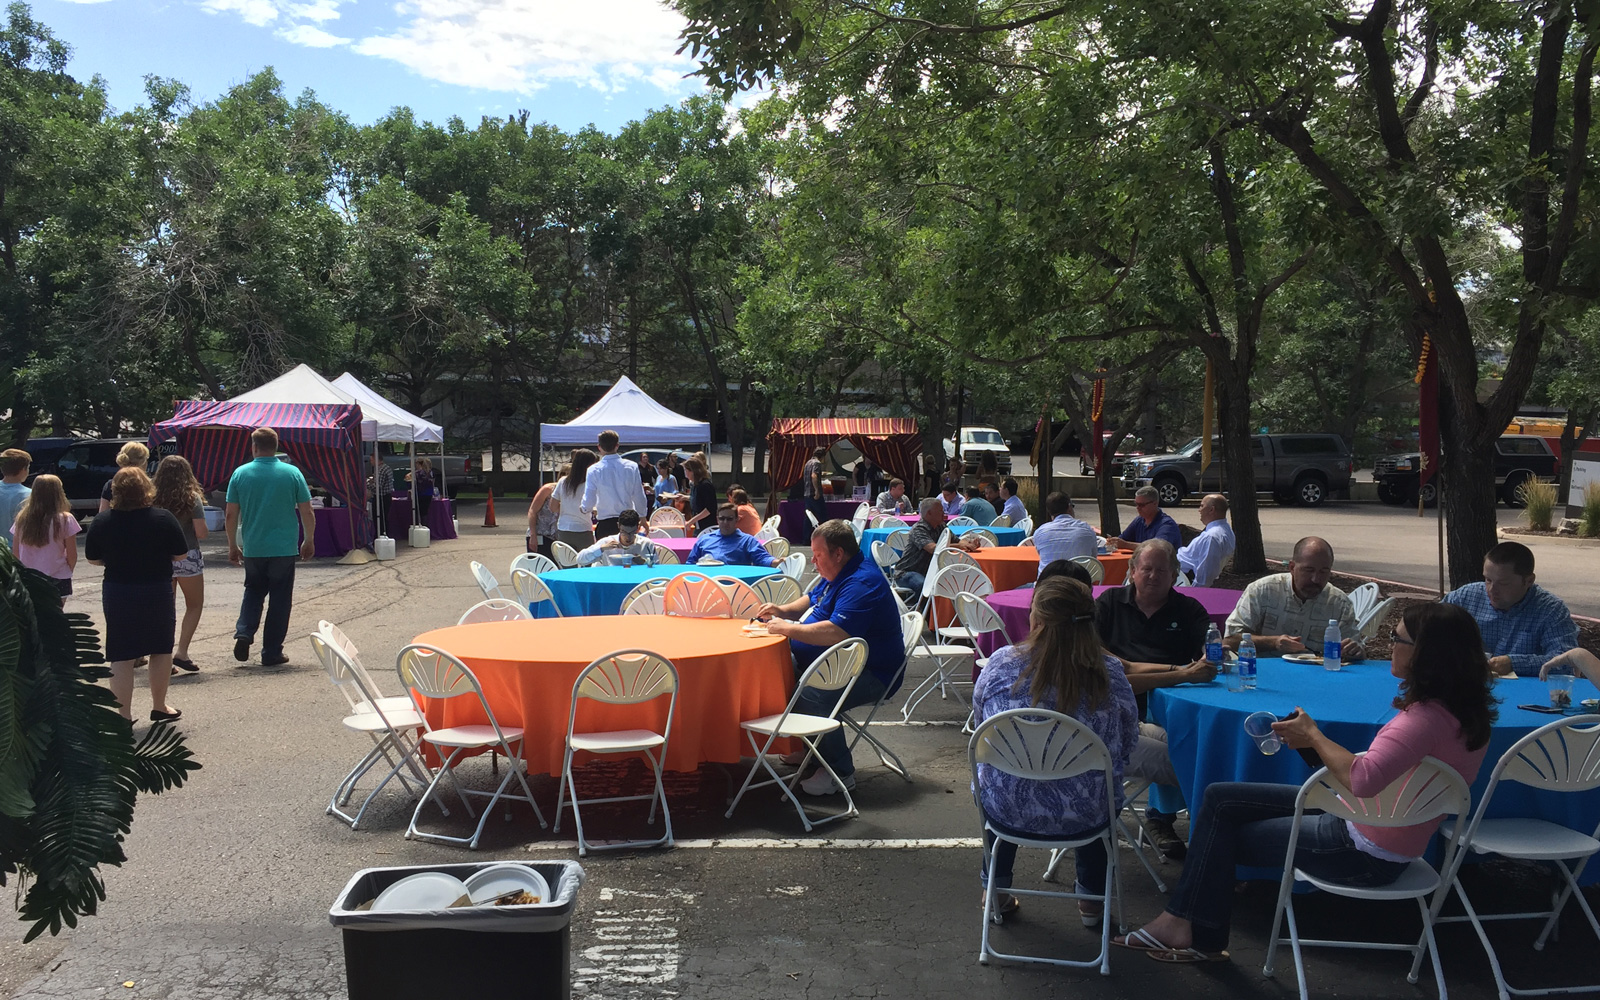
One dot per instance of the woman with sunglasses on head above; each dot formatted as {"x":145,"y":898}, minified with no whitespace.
{"x":1446,"y":705}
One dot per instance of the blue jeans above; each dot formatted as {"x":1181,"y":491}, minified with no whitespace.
{"x":268,"y":581}
{"x":1090,"y":859}
{"x":1242,"y":823}
{"x":832,"y":747}
{"x":910,"y":581}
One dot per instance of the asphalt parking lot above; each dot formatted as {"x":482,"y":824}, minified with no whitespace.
{"x":229,"y":880}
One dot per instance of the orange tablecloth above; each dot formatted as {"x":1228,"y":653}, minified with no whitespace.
{"x":1116,"y":566}
{"x":1010,"y":567}
{"x":527,"y":669}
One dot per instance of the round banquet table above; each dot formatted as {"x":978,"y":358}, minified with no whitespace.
{"x":1205,"y":732}
{"x":1014,"y":605}
{"x":1008,"y":568}
{"x":527,"y":669}
{"x":1005,"y":536}
{"x":679,"y":546}
{"x":599,"y":590}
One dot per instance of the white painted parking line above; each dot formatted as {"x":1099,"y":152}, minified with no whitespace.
{"x":638,"y":940}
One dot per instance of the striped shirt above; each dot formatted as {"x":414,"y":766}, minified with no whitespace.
{"x":1535,"y":629}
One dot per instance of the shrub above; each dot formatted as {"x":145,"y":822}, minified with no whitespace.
{"x":1589,"y":525}
{"x":1540,"y":500}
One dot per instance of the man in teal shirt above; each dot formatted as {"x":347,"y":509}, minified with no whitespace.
{"x":264,"y":535}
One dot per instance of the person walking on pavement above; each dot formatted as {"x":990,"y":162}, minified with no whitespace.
{"x":264,"y":536}
{"x":612,"y":487}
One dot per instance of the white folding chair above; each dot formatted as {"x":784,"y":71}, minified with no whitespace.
{"x":1563,"y":756}
{"x":668,"y":518}
{"x":626,"y":677}
{"x":777,"y":548}
{"x":648,"y":602}
{"x":863,"y":512}
{"x":565,"y":555}
{"x":858,"y":530}
{"x":660,"y":533}
{"x":531,"y":590}
{"x":434,"y":674}
{"x":1036,"y":744}
{"x":486,"y":581}
{"x":658,"y":584}
{"x":335,"y":636}
{"x":1026,"y":524}
{"x":949,"y":657}
{"x":884,"y":557}
{"x":986,"y":538}
{"x":793,"y":565}
{"x":962,"y":521}
{"x":744,"y":600}
{"x":1367,"y":626}
{"x":666,"y":556}
{"x":777,"y":589}
{"x":886,"y":521}
{"x":1362,"y":599}
{"x":979,"y":617}
{"x":955,"y":557}
{"x":948,"y":582}
{"x":837,"y":669}
{"x":1097,"y":572}
{"x":1182,"y":580}
{"x":1428,"y":791}
{"x":1027,"y":543}
{"x":495,"y":609}
{"x":533,"y":562}
{"x":815,"y":524}
{"x":772,"y":523}
{"x":392,"y":729}
{"x":695,"y":595}
{"x":898,"y":540}
{"x":910,"y":631}
{"x":1000,"y":521}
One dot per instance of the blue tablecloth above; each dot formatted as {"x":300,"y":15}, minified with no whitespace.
{"x":599,"y":590}
{"x":1205,"y":732}
{"x":1005,"y":536}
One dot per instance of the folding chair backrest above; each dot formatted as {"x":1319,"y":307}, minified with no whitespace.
{"x":777,"y":589}
{"x":486,"y":581}
{"x":533,"y":562}
{"x":660,"y":533}
{"x":495,"y":609}
{"x":863,"y":511}
{"x":1182,"y":580}
{"x":766,"y":535}
{"x":334,"y":636}
{"x":1038,"y":744}
{"x":979,"y":616}
{"x":1000,"y":521}
{"x":1026,"y":524}
{"x":1027,"y":543}
{"x":898,"y":540}
{"x":962,"y":521}
{"x":666,"y":517}
{"x":960,"y":578}
{"x":886,"y":521}
{"x":986,"y":538}
{"x":777,"y":548}
{"x":792,"y":565}
{"x":531,"y":590}
{"x":695,"y":595}
{"x":955,"y":557}
{"x":901,"y":602}
{"x":658,"y":584}
{"x":649,"y":602}
{"x":835,"y":670}
{"x":772,"y":523}
{"x":565,"y":555}
{"x":1367,"y":626}
{"x":626,"y":677}
{"x":666,"y":557}
{"x":1362,"y":599}
{"x":883,"y":555}
{"x":745,"y":601}
{"x":1097,"y":572}
{"x":437,"y":675}
{"x":337,"y":666}
{"x":1428,"y":791}
{"x":858,"y":530}
{"x":910,"y":629}
{"x":1563,"y":756}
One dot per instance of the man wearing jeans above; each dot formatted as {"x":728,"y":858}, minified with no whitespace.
{"x":264,"y":535}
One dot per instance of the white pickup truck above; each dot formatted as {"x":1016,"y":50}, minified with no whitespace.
{"x":974,"y":442}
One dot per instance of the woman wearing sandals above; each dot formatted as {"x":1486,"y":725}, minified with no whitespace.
{"x":179,"y":492}
{"x":137,"y":544}
{"x":1060,"y":666}
{"x":1446,"y":705}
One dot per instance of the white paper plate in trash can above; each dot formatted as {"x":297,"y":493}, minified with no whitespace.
{"x":422,"y":891}
{"x":491,"y":883}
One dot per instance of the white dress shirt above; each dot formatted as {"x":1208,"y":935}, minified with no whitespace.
{"x":613,"y":486}
{"x":1064,"y":538}
{"x":1202,"y":558}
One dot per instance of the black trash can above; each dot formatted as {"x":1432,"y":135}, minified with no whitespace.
{"x":503,"y":952}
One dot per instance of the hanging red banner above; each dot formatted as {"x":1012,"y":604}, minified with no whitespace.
{"x":1427,"y":379}
{"x":1097,"y":409}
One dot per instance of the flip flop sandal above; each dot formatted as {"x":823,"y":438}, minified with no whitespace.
{"x":1188,"y":956}
{"x":1141,"y":940}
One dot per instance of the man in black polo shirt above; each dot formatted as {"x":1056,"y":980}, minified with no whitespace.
{"x":1159,"y":633}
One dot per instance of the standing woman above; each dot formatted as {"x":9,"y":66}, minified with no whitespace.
{"x":573,"y":526}
{"x":137,"y":544}
{"x":41,"y":538}
{"x":542,"y":520}
{"x":702,"y":494}
{"x":179,"y":492}
{"x":424,"y":481}
{"x":132,"y":456}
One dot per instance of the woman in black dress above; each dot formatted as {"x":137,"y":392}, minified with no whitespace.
{"x":702,"y":494}
{"x":137,"y":544}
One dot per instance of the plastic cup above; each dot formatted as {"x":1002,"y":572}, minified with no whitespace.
{"x":1258,"y":726}
{"x":1560,"y":690}
{"x":1231,"y":676}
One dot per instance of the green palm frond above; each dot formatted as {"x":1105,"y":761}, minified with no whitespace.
{"x":161,"y":761}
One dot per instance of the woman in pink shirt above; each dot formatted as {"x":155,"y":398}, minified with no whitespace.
{"x":42,"y":539}
{"x":1446,"y":705}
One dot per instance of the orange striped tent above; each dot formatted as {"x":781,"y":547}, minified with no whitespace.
{"x":893,"y":444}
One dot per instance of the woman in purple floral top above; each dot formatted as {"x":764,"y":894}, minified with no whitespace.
{"x":1060,"y":666}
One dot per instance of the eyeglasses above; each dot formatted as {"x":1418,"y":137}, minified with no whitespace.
{"x":1400,"y":640}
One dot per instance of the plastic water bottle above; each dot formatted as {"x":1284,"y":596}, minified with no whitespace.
{"x":1247,"y":662}
{"x":1214,"y":645}
{"x":1331,"y":658}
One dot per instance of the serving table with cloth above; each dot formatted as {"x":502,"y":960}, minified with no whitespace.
{"x":599,"y":589}
{"x":792,"y":523}
{"x":441,"y":517}
{"x":527,"y":668}
{"x":1013,"y":606}
{"x":333,"y":536}
{"x":1205,"y":731}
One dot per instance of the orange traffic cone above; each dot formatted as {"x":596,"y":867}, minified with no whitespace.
{"x":488,"y":512}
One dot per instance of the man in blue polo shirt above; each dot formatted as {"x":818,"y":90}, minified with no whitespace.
{"x":269,"y":523}
{"x":728,"y":545}
{"x":852,"y":599}
{"x":1151,"y":522}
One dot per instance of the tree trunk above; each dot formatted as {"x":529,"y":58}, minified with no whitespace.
{"x":1467,"y":492}
{"x":1045,"y":470}
{"x":1239,"y":471}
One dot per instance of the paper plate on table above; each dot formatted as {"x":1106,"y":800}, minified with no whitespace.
{"x":1590,"y":704}
{"x":422,"y":891}
{"x":491,"y":883}
{"x":1307,"y":657}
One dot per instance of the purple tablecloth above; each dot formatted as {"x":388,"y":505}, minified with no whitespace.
{"x":1014,"y":605}
{"x":441,"y":517}
{"x":333,"y":536}
{"x":792,"y":522}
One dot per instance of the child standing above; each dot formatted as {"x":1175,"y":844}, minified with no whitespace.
{"x":42,"y":539}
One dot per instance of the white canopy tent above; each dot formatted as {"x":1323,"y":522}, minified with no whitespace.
{"x":301,"y":384}
{"x":637,"y":419}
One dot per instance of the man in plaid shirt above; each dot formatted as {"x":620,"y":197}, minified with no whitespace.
{"x":1523,"y":624}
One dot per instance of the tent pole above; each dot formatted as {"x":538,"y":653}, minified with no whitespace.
{"x":358,"y":555}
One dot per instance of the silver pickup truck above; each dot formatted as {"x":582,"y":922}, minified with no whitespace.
{"x":1294,"y":468}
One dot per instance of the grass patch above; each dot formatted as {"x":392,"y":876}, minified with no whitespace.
{"x":1589,"y":522}
{"x":1539,"y":499}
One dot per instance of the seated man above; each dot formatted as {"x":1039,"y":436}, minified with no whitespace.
{"x":911,"y":571}
{"x":894,"y":500}
{"x":1202,"y":558}
{"x":728,"y":545}
{"x":1012,"y":507}
{"x":1152,"y":522}
{"x":626,"y":548}
{"x":1288,"y":612}
{"x":1063,"y":536}
{"x":1523,"y":624}
{"x":950,"y":498}
{"x":852,"y":598}
{"x":1159,"y":633}
{"x":977,"y":508}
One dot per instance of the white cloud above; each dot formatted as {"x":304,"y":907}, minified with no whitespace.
{"x":524,"y":45}
{"x":256,"y":12}
{"x":312,"y":36}
{"x":317,"y":10}
{"x":86,"y":2}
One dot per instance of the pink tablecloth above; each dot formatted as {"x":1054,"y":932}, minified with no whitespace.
{"x":681,"y":546}
{"x":1013,"y":606}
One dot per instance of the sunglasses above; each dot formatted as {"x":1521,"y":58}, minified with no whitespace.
{"x":1400,"y":640}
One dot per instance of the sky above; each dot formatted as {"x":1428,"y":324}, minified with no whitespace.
{"x":569,"y":62}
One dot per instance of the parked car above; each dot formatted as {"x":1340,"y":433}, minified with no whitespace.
{"x":1518,"y":459}
{"x":1294,"y":468}
{"x":460,"y":472}
{"x":84,"y":467}
{"x":1130,"y":449}
{"x":45,"y":451}
{"x":975,"y":441}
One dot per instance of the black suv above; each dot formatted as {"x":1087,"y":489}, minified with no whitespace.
{"x":1518,"y":459}
{"x":84,"y":468}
